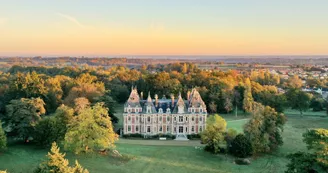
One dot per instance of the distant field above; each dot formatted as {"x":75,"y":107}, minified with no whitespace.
{"x":152,"y":156}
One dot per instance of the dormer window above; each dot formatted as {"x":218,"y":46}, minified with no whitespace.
{"x":168,"y":110}
{"x":180,"y":110}
{"x":160,"y":110}
{"x":148,"y":109}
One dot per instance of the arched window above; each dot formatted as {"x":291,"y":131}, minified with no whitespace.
{"x":148,"y":119}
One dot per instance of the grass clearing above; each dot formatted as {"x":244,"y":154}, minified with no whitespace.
{"x":167,"y":156}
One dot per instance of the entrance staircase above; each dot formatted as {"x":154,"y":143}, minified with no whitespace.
{"x":181,"y":137}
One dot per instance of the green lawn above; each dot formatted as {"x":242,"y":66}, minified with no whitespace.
{"x":152,"y":157}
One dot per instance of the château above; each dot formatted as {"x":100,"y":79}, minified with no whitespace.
{"x":164,"y":116}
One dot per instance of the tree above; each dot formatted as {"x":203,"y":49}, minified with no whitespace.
{"x":294,"y":82}
{"x":317,"y":104}
{"x":301,"y":162}
{"x":90,"y":131}
{"x":57,"y":163}
{"x":264,"y":128}
{"x":241,"y":146}
{"x":298,"y":100}
{"x":213,"y":135}
{"x":80,"y":104}
{"x":316,"y":161}
{"x":317,"y":140}
{"x":54,"y":127}
{"x":23,"y":115}
{"x":110,"y":104}
{"x":248,"y":98}
{"x":3,"y":138}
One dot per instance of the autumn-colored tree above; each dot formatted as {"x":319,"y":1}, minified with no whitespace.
{"x":90,"y":131}
{"x":248,"y":98}
{"x":56,"y":163}
{"x":81,"y":103}
{"x":317,"y":140}
{"x":294,"y":82}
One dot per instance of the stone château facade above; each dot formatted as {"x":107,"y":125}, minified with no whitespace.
{"x":164,"y":116}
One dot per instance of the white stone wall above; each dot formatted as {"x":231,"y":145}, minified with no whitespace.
{"x":163,"y":123}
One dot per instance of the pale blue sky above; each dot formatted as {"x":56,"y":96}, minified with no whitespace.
{"x":220,"y":25}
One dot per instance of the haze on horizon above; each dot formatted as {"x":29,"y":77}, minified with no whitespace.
{"x":155,"y":27}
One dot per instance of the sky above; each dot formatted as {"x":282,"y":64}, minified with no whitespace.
{"x":163,"y":27}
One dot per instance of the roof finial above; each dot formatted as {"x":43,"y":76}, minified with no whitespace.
{"x":149,"y":98}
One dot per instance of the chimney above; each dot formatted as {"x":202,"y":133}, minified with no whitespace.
{"x":172,"y":98}
{"x":188,"y":95}
{"x":156,"y":100}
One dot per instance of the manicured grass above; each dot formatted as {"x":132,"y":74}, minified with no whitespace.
{"x":168,"y":156}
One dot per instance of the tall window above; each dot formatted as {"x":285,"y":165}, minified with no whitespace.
{"x":200,"y":129}
{"x":186,"y":129}
{"x":160,"y":129}
{"x":148,"y":119}
{"x":180,"y":118}
{"x":186,"y":118}
{"x":192,"y":119}
{"x":167,"y":129}
{"x":137,"y":118}
{"x":137,"y":128}
{"x":167,"y":118}
{"x":129,"y":118}
{"x":200,"y":118}
{"x":129,"y":128}
{"x":160,"y":118}
{"x":192,"y":129}
{"x":148,"y":129}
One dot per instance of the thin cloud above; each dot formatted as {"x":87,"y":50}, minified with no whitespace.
{"x":72,"y":19}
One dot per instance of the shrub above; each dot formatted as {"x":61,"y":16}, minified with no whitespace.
{"x":230,"y":135}
{"x":193,"y":136}
{"x":241,"y":146}
{"x":3,"y":138}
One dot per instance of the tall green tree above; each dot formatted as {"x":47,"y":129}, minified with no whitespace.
{"x":264,"y":128}
{"x":53,"y":128}
{"x":23,"y":115}
{"x":214,"y":133}
{"x":298,"y":100}
{"x":90,"y":131}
